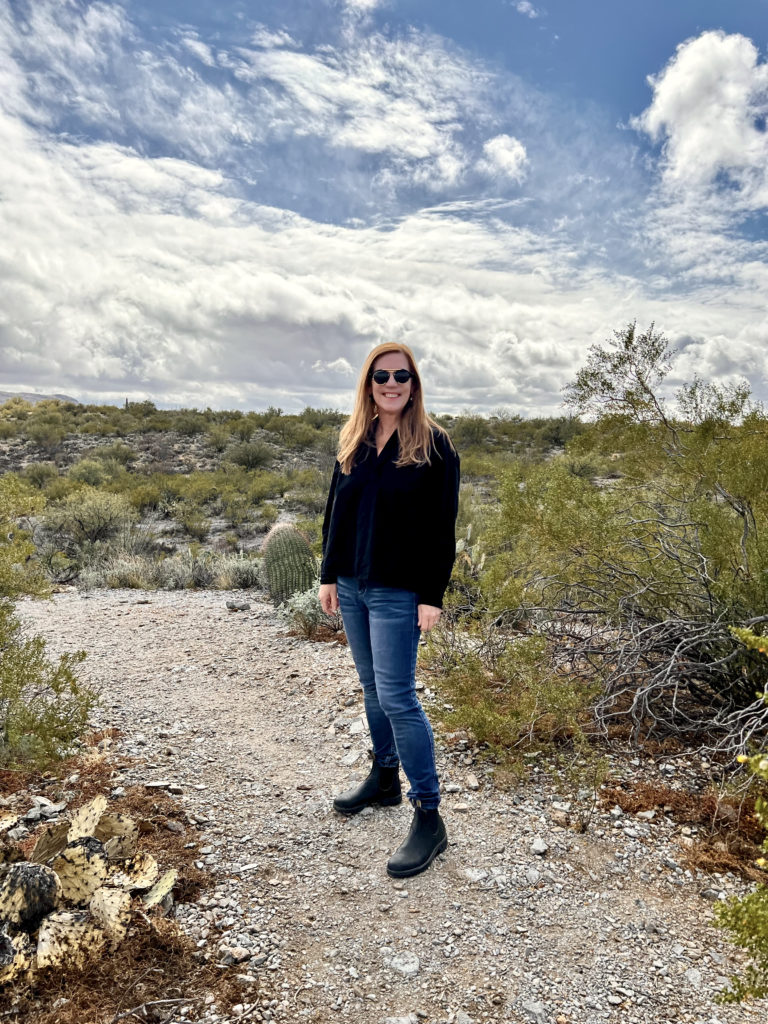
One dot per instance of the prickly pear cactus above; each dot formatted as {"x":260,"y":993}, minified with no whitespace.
{"x":68,"y":938}
{"x":82,"y":868}
{"x":289,"y":565}
{"x":27,"y":893}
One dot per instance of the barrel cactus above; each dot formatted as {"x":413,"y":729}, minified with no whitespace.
{"x":288,"y":564}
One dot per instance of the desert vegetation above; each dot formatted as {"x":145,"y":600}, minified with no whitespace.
{"x":610,"y":588}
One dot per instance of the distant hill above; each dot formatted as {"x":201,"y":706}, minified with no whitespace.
{"x":30,"y":396}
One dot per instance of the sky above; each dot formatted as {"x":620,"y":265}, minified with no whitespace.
{"x":228,"y":205}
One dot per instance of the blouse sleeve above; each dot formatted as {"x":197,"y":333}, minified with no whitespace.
{"x":326,"y":575}
{"x":439,"y":550}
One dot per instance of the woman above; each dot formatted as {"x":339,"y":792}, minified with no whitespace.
{"x":388,"y":548}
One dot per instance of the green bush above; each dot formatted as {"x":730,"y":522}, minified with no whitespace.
{"x":20,"y":571}
{"x":47,"y":436}
{"x":250,"y":454}
{"x":219,"y":436}
{"x":238,"y":572}
{"x":88,"y":516}
{"x":192,"y":518}
{"x":40,"y":474}
{"x":43,"y":708}
{"x":304,"y":614}
{"x":90,"y":471}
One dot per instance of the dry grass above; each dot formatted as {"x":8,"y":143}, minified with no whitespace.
{"x":149,"y":977}
{"x":157,"y":963}
{"x":729,"y":833}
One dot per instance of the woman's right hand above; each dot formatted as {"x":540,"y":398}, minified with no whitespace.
{"x":329,"y":598}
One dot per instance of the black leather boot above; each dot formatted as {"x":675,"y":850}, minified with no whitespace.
{"x":425,"y":840}
{"x":382,"y":786}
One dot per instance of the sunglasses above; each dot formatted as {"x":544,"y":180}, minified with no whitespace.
{"x":401,"y":376}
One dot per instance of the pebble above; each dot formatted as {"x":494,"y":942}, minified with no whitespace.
{"x":539,"y":847}
{"x":406,"y":963}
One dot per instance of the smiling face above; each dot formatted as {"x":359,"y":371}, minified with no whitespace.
{"x":391,"y":398}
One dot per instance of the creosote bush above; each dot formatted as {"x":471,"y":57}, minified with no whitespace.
{"x":43,"y":707}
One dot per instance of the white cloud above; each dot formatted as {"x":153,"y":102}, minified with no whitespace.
{"x":340,"y":365}
{"x":505,"y":157}
{"x":526,"y":8}
{"x":362,"y":5}
{"x":267,"y":38}
{"x":709,"y":107}
{"x":200,"y":50}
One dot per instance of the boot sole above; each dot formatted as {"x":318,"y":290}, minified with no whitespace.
{"x":410,"y":872}
{"x":388,"y":801}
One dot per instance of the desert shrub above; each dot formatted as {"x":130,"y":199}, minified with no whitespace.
{"x":45,"y":435}
{"x":469,"y":431}
{"x":43,"y":708}
{"x":522,"y":702}
{"x":236,"y":508}
{"x":40,"y":474}
{"x":238,"y":572}
{"x":265,"y":515}
{"x":219,"y":436}
{"x":88,"y":516}
{"x":132,"y":571}
{"x":20,"y":571}
{"x":250,"y":454}
{"x":193,"y":569}
{"x":8,"y":429}
{"x":302,"y":611}
{"x":146,"y":495}
{"x":308,"y":490}
{"x":638,"y":583}
{"x":90,"y":471}
{"x":243,"y":428}
{"x":117,"y":452}
{"x":189,"y":422}
{"x":264,"y":485}
{"x":192,"y":518}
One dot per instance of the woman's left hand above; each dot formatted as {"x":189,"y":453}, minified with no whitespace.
{"x":428,"y":617}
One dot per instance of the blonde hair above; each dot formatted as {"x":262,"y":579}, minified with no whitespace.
{"x":415,"y":426}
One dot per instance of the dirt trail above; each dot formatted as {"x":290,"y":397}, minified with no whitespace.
{"x":260,"y":729}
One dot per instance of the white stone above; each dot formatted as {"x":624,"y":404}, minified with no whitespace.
{"x":406,"y":963}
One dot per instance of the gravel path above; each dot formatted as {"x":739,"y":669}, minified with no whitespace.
{"x":258,"y":730}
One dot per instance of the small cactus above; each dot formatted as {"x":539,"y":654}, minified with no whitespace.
{"x":289,"y":565}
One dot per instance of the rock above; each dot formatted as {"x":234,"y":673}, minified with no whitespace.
{"x":472,"y":781}
{"x":452,"y":787}
{"x":462,"y":1018}
{"x":532,"y":876}
{"x":406,"y":963}
{"x":476,"y":874}
{"x":539,"y":847}
{"x":238,"y":606}
{"x":461,"y":808}
{"x":693,"y":977}
{"x":534,"y":1011}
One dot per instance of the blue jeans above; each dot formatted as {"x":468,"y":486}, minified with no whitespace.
{"x":381,"y":624}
